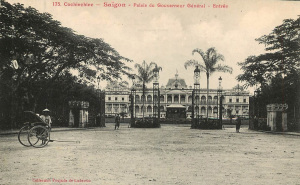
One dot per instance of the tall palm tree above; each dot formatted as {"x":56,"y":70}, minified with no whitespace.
{"x":145,"y":75}
{"x":210,"y":59}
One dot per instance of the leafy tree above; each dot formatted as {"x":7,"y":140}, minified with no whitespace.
{"x":281,"y":57}
{"x":210,"y":59}
{"x":278,"y":70}
{"x":145,"y":75}
{"x":36,"y":48}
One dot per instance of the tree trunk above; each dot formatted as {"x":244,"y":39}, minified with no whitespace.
{"x":207,"y":93}
{"x":13,"y":111}
{"x":143,"y":101}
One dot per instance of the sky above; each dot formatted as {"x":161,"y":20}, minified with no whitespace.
{"x":168,"y":36}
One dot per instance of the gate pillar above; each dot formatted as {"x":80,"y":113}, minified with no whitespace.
{"x":277,"y":117}
{"x":78,"y":115}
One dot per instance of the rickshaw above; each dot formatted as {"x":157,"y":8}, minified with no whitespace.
{"x":35,"y":131}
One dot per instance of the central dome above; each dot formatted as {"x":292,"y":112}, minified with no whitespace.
{"x":176,"y":83}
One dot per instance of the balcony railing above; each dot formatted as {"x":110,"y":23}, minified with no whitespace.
{"x":203,"y":102}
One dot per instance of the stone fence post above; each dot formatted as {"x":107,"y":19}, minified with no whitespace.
{"x":277,"y":117}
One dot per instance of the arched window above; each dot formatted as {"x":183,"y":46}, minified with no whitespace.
{"x":209,"y":99}
{"x":203,"y":100}
{"x":155,"y":109}
{"x":196,"y":109}
{"x":182,"y":99}
{"x":176,"y":99}
{"x":149,"y":109}
{"x":149,"y":98}
{"x":169,"y":99}
{"x":142,"y":98}
{"x":137,"y":98}
{"x":143,"y":108}
{"x":203,"y":110}
{"x":161,"y":108}
{"x":109,"y":108}
{"x":162,"y":98}
{"x":215,"y":110}
{"x":190,"y":99}
{"x":137,"y":109}
{"x":209,"y":110}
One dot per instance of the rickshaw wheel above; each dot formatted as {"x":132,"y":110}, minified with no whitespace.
{"x":23,"y":136}
{"x":38,"y":136}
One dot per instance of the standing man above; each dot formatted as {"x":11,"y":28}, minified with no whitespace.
{"x":255,"y":123}
{"x":238,"y":124}
{"x":46,"y":117}
{"x":117,"y":121}
{"x":98,"y":120}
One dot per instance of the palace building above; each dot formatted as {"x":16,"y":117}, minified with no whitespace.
{"x":177,"y":94}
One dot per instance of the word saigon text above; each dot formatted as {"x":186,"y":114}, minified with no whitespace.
{"x":160,"y":5}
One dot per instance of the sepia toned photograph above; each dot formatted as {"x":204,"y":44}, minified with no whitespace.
{"x":149,"y":92}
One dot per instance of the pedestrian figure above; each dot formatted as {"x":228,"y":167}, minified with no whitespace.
{"x":117,"y":121}
{"x":102,"y":121}
{"x":98,"y":120}
{"x":46,"y":117}
{"x":238,"y":124}
{"x":255,"y":123}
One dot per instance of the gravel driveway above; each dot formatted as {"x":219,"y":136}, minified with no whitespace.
{"x":172,"y":154}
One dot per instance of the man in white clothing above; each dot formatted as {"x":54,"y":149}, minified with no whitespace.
{"x":46,"y":117}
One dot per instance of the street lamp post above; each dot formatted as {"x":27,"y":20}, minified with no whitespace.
{"x":98,"y":116}
{"x":101,"y":105}
{"x":98,"y":80}
{"x":156,"y":97}
{"x":196,"y":93}
{"x":256,"y":96}
{"x":256,"y":108}
{"x":133,"y":94}
{"x":220,"y":96}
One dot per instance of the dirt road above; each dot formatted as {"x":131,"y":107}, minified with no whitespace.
{"x":172,"y":154}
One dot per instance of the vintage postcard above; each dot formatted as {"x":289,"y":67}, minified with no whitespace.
{"x":149,"y":92}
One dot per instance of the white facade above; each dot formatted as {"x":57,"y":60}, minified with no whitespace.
{"x":116,"y":102}
{"x":175,"y":92}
